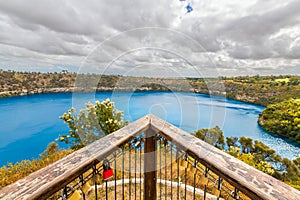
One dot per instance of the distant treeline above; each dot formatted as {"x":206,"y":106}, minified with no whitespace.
{"x":261,"y":90}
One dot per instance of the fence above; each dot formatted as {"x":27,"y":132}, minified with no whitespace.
{"x":149,"y":159}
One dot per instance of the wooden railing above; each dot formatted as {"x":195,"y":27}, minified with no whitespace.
{"x":151,"y":159}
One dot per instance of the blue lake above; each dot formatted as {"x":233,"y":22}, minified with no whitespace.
{"x":29,"y":123}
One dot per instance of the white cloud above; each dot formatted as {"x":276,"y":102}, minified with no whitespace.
{"x":233,"y":37}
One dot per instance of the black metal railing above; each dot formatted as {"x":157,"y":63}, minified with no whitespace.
{"x":126,"y":162}
{"x":149,"y":159}
{"x":179,"y":176}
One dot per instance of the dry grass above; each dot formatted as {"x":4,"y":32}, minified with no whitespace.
{"x":183,"y":175}
{"x":13,"y":172}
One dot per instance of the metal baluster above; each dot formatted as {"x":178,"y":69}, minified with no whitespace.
{"x":135,"y":146}
{"x":185,"y":176}
{"x":195,"y":174}
{"x":106,"y":190}
{"x":160,"y":184}
{"x":95,"y":180}
{"x":165,"y":146}
{"x":141,"y":167}
{"x":236,"y":193}
{"x":171,"y":171}
{"x":206,"y":173}
{"x":219,"y":186}
{"x":129,"y":171}
{"x":178,"y":177}
{"x":123,"y":189}
{"x":81,"y":184}
{"x":115,"y":166}
{"x":155,"y":166}
{"x":64,"y":193}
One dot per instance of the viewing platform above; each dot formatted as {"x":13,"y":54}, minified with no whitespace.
{"x":149,"y":159}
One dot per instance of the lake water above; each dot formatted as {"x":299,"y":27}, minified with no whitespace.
{"x":29,"y":123}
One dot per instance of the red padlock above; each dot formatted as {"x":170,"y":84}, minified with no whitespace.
{"x":107,"y":170}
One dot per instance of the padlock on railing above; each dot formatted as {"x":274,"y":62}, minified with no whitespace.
{"x":107,"y":170}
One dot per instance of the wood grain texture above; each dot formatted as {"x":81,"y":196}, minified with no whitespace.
{"x":42,"y":183}
{"x":247,"y":179}
{"x":255,"y":184}
{"x":150,"y":165}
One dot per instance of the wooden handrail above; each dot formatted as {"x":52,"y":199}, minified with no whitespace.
{"x":250,"y":181}
{"x":42,"y":183}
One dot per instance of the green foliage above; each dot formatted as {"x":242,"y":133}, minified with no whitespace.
{"x":232,"y":141}
{"x":265,"y":167}
{"x":91,"y":124}
{"x":261,"y":90}
{"x":16,"y":83}
{"x":234,"y":151}
{"x":52,"y":148}
{"x":247,"y":158}
{"x":246,"y":144}
{"x":213,"y":136}
{"x":283,"y":119}
{"x":262,"y":151}
{"x":255,"y":154}
{"x":297,"y":162}
{"x":290,"y":171}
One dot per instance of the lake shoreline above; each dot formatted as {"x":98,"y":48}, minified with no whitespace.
{"x":35,"y":119}
{"x":16,"y":93}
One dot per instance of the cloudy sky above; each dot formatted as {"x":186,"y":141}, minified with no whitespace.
{"x":143,"y":37}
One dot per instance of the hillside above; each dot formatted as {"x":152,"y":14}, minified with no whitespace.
{"x":283,"y":119}
{"x":23,"y":83}
{"x":261,"y":90}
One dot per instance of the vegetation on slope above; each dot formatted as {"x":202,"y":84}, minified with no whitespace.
{"x":261,"y":90}
{"x":13,"y":172}
{"x":20,"y":83}
{"x":283,"y":119}
{"x":256,"y":154}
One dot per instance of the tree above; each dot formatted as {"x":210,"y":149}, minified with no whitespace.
{"x":213,"y":136}
{"x":297,"y":162}
{"x":200,"y":133}
{"x":91,"y":124}
{"x":290,"y":170}
{"x":234,"y":151}
{"x":52,"y":148}
{"x":265,"y":167}
{"x":247,"y":158}
{"x":246,"y":143}
{"x":232,"y":141}
{"x":262,"y":151}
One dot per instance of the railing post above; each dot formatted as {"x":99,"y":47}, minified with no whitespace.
{"x":150,"y":165}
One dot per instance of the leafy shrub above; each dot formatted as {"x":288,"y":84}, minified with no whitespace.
{"x":91,"y":124}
